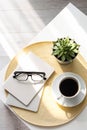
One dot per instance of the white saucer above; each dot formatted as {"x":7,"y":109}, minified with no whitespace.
{"x":69,"y":102}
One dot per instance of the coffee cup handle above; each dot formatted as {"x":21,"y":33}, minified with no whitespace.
{"x":59,"y":97}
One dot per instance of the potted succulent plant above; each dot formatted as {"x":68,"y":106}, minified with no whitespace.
{"x":65,"y":50}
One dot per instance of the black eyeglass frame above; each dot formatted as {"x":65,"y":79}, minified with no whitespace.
{"x":29,"y":73}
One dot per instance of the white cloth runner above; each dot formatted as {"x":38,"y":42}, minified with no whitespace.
{"x":8,"y":120}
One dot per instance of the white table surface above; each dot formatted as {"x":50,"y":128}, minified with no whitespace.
{"x":69,"y":22}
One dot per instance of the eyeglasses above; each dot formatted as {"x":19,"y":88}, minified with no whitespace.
{"x":33,"y":77}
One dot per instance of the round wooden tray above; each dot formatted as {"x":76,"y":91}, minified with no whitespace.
{"x":50,"y":113}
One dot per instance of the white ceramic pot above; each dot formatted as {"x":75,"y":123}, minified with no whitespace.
{"x":65,"y":62}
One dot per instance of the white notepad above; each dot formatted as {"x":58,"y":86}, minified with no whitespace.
{"x":32,"y":106}
{"x":25,"y":93}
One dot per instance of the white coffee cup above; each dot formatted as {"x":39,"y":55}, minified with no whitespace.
{"x":69,"y":87}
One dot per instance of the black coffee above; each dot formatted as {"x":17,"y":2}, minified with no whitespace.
{"x":68,"y":87}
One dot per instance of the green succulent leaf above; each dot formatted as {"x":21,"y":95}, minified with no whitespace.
{"x":63,"y":58}
{"x":56,"y":52}
{"x":68,"y":58}
{"x":72,"y":54}
{"x":60,"y":54}
{"x":75,"y":51}
{"x":55,"y":47}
